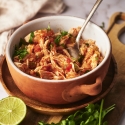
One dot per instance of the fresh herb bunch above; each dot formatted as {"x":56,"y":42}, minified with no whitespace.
{"x":93,"y":114}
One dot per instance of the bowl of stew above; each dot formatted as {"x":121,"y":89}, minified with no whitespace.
{"x":41,"y":66}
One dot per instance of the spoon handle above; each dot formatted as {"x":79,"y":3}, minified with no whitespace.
{"x":87,"y":20}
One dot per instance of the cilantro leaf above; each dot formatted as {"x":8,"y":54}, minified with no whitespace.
{"x":22,"y":52}
{"x":63,"y":33}
{"x":57,"y":39}
{"x":31,"y":37}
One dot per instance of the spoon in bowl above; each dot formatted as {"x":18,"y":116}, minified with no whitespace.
{"x":74,"y":50}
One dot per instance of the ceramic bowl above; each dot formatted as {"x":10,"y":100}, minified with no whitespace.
{"x":60,"y":91}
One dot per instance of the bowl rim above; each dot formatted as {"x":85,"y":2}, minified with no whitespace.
{"x":7,"y":54}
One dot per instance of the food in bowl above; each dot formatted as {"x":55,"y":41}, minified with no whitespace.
{"x":44,"y":54}
{"x":66,"y":90}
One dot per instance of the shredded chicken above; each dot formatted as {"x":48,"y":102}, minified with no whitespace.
{"x":44,"y":54}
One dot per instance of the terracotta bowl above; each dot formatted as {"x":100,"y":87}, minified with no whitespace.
{"x":61,"y":91}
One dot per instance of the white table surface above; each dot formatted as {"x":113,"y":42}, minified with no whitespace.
{"x":81,"y":8}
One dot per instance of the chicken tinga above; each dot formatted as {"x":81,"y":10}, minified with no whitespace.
{"x":44,"y":54}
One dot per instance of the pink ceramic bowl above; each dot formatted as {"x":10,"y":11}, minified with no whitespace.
{"x":61,"y":91}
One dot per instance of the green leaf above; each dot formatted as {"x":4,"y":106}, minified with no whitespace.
{"x":63,"y":33}
{"x":71,"y":117}
{"x":20,"y":52}
{"x":57,"y":39}
{"x":105,"y":123}
{"x":23,"y":53}
{"x":71,"y":122}
{"x":78,"y":113}
{"x":96,"y":114}
{"x":90,"y":108}
{"x":48,"y":28}
{"x":31,"y":37}
{"x":63,"y":122}
{"x":93,"y":123}
{"x":90,"y":119}
{"x":82,"y":123}
{"x":41,"y":123}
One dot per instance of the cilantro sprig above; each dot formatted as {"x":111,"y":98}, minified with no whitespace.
{"x":58,"y":38}
{"x":31,"y":37}
{"x":21,"y":51}
{"x":93,"y":114}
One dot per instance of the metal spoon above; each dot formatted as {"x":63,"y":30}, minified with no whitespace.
{"x":74,"y":50}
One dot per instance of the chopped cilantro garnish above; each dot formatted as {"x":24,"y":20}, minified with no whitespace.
{"x":57,"y":39}
{"x":48,"y":28}
{"x":63,"y":33}
{"x":31,"y":37}
{"x":20,"y":52}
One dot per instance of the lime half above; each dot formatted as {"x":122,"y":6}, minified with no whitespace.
{"x":12,"y":111}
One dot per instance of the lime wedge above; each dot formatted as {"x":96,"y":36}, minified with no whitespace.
{"x":12,"y":111}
